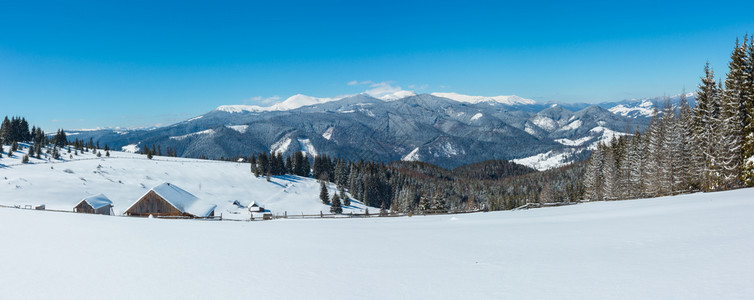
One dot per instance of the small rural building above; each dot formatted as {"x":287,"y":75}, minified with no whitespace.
{"x":168,"y":200}
{"x":97,"y":204}
{"x":255,"y":207}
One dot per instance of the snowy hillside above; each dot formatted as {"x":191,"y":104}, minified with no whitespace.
{"x":686,"y":247}
{"x":125,"y":177}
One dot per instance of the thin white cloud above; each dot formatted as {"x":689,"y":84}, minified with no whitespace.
{"x":363,"y":82}
{"x":418,"y":87}
{"x":262,"y":100}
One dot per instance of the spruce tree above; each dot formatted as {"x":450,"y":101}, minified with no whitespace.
{"x":733,"y":115}
{"x":609,"y":173}
{"x":305,"y":167}
{"x":346,"y":199}
{"x":336,"y":207}
{"x":705,"y":123}
{"x":323,"y":194}
{"x":592,"y":177}
{"x":5,"y":131}
{"x":748,"y":128}
{"x":298,"y":164}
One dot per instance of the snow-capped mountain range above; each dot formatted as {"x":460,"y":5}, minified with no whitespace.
{"x":447,"y":129}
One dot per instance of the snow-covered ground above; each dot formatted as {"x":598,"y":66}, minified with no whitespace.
{"x":548,"y":160}
{"x":125,"y":177}
{"x":696,"y":246}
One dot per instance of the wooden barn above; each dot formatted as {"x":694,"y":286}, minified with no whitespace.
{"x":97,"y":204}
{"x":167,"y":200}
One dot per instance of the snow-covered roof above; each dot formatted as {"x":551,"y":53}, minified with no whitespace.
{"x":97,"y":201}
{"x":184,"y":201}
{"x":254,"y":203}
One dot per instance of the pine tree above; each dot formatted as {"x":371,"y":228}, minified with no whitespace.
{"x":592,"y":176}
{"x":747,"y":96}
{"x":25,"y":159}
{"x":609,"y":173}
{"x":341,"y":176}
{"x":5,"y":131}
{"x":635,"y":178}
{"x":336,"y":207}
{"x":704,"y":123}
{"x":346,"y":199}
{"x":298,"y":164}
{"x":733,"y":115}
{"x":323,"y":194}
{"x":689,"y":152}
{"x":263,"y":163}
{"x":730,"y":145}
{"x":306,"y":167}
{"x":670,"y":148}
{"x":748,"y":127}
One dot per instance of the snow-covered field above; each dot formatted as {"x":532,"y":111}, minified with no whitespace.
{"x":698,"y":246}
{"x":125,"y":177}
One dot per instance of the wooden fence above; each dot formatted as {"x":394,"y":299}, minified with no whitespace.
{"x":323,"y":215}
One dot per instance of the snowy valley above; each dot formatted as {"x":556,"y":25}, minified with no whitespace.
{"x":125,"y":177}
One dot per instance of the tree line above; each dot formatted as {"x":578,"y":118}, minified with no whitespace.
{"x":707,"y":148}
{"x":418,"y":187}
{"x":16,"y":130}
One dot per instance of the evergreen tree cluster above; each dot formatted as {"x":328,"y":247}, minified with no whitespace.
{"x":156,"y":150}
{"x":705,"y":148}
{"x":15,"y":129}
{"x":423,"y":187}
{"x":274,"y":164}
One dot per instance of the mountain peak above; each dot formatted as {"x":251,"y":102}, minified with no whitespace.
{"x":507,"y":100}
{"x":293,"y":102}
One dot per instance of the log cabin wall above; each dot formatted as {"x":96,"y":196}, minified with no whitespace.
{"x":84,"y":207}
{"x":105,"y":210}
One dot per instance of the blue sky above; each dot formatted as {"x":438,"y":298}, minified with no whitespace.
{"x":139,"y":63}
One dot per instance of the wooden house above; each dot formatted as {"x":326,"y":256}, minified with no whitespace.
{"x":255,"y":207}
{"x":167,"y":200}
{"x":97,"y":204}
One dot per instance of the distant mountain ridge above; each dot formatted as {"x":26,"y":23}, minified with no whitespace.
{"x":445,"y":129}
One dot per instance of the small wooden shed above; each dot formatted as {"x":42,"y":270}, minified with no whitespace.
{"x":97,"y":204}
{"x":168,"y":200}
